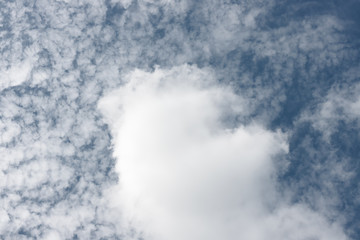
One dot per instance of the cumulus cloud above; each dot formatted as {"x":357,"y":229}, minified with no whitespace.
{"x":187,"y":172}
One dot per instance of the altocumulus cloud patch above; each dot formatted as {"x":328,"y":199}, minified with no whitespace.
{"x":185,"y":173}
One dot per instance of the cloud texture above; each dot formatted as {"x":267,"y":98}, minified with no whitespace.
{"x":187,"y":173}
{"x":262,"y":96}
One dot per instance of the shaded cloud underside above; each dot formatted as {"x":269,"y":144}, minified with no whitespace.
{"x":280,"y":65}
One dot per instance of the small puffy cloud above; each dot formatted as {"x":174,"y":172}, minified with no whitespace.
{"x":15,"y":75}
{"x":187,"y":172}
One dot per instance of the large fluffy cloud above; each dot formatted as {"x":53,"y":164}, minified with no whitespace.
{"x":189,"y":167}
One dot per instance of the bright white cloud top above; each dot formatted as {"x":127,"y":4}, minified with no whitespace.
{"x":186,"y":172}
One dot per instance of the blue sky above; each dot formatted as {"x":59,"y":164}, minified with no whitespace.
{"x":160,"y":119}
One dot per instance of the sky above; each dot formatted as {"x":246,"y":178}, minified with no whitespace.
{"x":180,"y":119}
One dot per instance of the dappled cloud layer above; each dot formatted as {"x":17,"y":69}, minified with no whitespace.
{"x":161,"y":120}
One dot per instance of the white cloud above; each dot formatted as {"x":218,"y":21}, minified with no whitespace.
{"x":187,"y":173}
{"x":4,"y":219}
{"x":342,"y":103}
{"x":15,"y":75}
{"x":63,"y":56}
